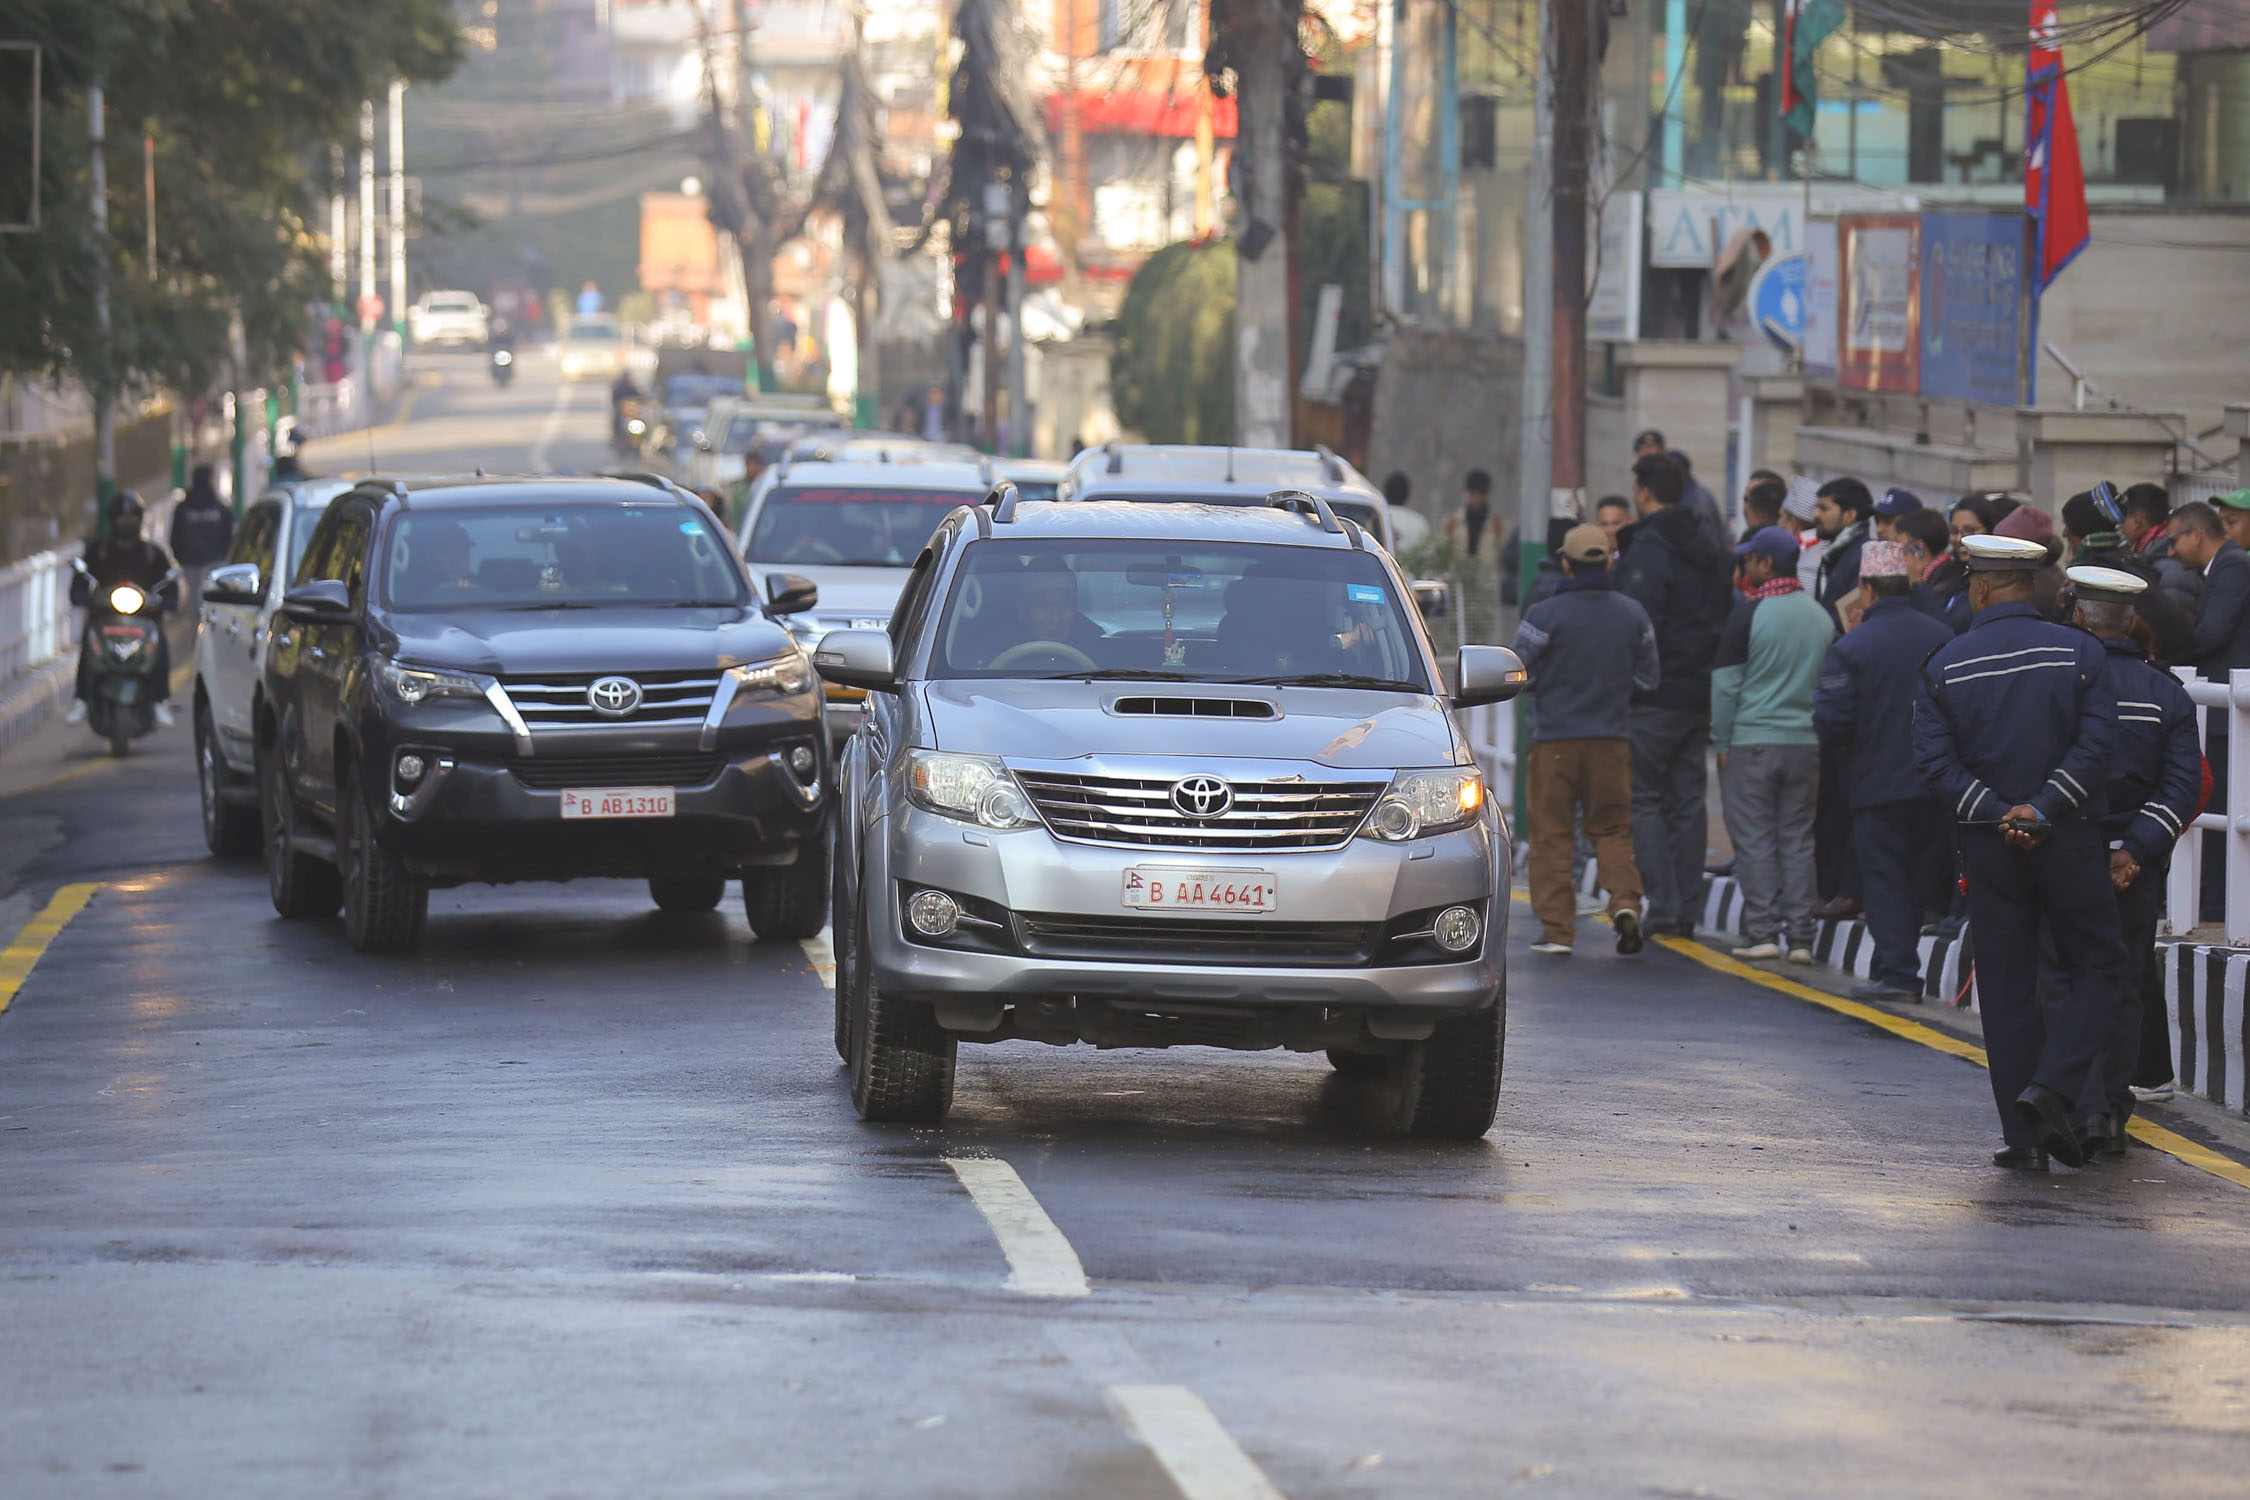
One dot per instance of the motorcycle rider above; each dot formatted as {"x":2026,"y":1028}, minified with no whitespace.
{"x":621,"y":392}
{"x":124,"y":556}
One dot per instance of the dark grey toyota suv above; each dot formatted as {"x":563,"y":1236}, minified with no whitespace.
{"x":537,"y":679}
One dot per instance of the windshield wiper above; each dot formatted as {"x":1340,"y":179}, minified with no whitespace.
{"x":548,"y":604}
{"x":1334,"y":679}
{"x":1119,"y":674}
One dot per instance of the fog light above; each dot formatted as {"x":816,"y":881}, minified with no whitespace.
{"x":1457,"y":929}
{"x":801,"y":760}
{"x":933,"y":913}
{"x":410,"y":769}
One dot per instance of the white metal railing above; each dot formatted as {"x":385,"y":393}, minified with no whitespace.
{"x":2183,"y":891}
{"x":1492,"y":738}
{"x":37,"y":623}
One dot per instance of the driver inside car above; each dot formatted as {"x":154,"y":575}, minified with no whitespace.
{"x":1046,"y":613}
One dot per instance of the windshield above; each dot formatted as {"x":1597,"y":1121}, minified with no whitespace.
{"x":849,"y":526}
{"x":1211,"y":612}
{"x":699,"y":389}
{"x":593,"y":331}
{"x":557,"y":557}
{"x":452,"y":304}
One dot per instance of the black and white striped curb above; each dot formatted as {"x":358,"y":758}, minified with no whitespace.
{"x":1843,"y":943}
{"x":2203,"y":989}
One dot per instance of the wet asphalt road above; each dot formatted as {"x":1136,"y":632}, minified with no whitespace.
{"x":573,"y":1203}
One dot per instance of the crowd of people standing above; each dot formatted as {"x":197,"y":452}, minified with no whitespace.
{"x":1924,"y":716}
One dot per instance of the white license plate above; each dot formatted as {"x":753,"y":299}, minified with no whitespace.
{"x":1149,"y":888}
{"x":619,"y":802}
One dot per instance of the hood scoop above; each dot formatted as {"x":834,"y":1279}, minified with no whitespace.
{"x":1196,"y":708}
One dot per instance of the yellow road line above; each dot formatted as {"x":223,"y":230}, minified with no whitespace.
{"x":20,"y":956}
{"x":2147,"y":1131}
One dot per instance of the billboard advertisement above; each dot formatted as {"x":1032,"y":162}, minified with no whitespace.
{"x":1879,"y":272}
{"x":1972,"y":306}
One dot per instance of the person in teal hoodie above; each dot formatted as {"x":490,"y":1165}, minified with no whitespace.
{"x":1762,"y":684}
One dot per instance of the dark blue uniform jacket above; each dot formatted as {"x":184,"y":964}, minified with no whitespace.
{"x":2157,"y":777}
{"x":1866,"y":699}
{"x":2017,"y":710}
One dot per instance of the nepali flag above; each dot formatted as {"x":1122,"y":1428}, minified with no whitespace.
{"x":2054,"y":180}
{"x":1805,"y":24}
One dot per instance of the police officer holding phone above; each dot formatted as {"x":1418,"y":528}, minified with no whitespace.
{"x":2014,"y":730}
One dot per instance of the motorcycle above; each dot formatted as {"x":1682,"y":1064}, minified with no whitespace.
{"x":503,"y":366}
{"x":122,"y":645}
{"x":627,"y":427}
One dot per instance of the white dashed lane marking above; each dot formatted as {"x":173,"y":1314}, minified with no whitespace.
{"x":1203,"y":1461}
{"x":1040,"y":1261}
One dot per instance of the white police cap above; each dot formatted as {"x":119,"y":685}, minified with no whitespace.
{"x":2106,"y":585}
{"x":2002,"y":554}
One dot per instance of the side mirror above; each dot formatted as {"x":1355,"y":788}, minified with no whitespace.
{"x":701,"y":439}
{"x":1489,"y":674}
{"x":327,"y":599}
{"x":1433,"y":597}
{"x":788,"y":594}
{"x":234,"y":583}
{"x":856,"y":658}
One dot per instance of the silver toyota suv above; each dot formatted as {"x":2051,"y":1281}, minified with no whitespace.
{"x":1148,"y":775}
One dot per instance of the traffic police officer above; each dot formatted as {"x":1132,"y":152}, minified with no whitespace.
{"x":2014,"y":730}
{"x":2155,"y":781}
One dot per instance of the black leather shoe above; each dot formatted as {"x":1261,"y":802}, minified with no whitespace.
{"x":2110,"y":1147}
{"x":2094,"y":1134}
{"x":1628,"y":925}
{"x":1686,"y":928}
{"x":1887,"y":994}
{"x":2020,"y":1158}
{"x":2044,"y":1111}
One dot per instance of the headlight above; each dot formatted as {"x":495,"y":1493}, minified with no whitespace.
{"x":126,"y":599}
{"x":635,"y":426}
{"x":411,"y":685}
{"x":783,"y":674}
{"x":1421,"y":802}
{"x":974,"y":788}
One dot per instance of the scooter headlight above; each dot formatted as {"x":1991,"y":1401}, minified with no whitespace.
{"x":126,"y":599}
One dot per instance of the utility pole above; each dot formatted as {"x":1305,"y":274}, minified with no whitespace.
{"x":339,"y":234}
{"x":1019,"y":407}
{"x":105,"y":373}
{"x":1265,"y":57}
{"x":995,"y":226}
{"x":367,"y":255}
{"x":398,"y":205}
{"x":1535,"y":452}
{"x":1571,"y":43}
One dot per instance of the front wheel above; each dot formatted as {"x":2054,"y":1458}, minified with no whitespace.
{"x":902,"y":1060}
{"x":301,"y":887}
{"x":1448,"y":1088}
{"x":789,"y":904}
{"x":385,"y":907}
{"x":687,"y":893}
{"x":228,"y":830}
{"x":120,"y":741}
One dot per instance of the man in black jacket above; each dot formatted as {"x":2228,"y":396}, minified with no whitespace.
{"x":1841,"y":508}
{"x":202,"y":530}
{"x":1843,"y":513}
{"x":1684,"y":583}
{"x":2091,"y":521}
{"x":2222,"y":643}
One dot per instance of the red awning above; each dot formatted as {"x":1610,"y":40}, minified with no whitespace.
{"x":1128,"y":113}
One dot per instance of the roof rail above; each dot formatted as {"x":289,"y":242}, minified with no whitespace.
{"x":656,"y":481}
{"x":1310,"y":506}
{"x":1330,"y":464}
{"x":781,"y":469}
{"x":1003,"y":502}
{"x":382,"y":484}
{"x":1116,"y":456}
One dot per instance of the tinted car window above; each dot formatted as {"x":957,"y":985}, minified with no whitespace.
{"x":314,"y":553}
{"x":301,"y":528}
{"x":557,"y":556}
{"x":254,"y":542}
{"x":347,"y":551}
{"x":850,"y":526}
{"x":1214,"y":611}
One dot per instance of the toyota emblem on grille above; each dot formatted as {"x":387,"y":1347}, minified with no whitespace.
{"x":614,"y":697}
{"x":1202,"y":797}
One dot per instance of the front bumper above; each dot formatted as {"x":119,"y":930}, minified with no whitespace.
{"x":1016,"y":879}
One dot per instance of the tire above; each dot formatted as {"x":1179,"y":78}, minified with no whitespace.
{"x":1448,"y":1088}
{"x":790,"y":903}
{"x":841,"y":928}
{"x":385,"y":908}
{"x":301,"y":887}
{"x":120,"y":741}
{"x":1358,"y":1064}
{"x":687,"y":893}
{"x":902,"y":1060}
{"x":228,"y":830}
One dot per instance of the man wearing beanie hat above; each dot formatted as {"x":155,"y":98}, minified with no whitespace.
{"x":1588,"y":649}
{"x":1864,"y":712}
{"x":2014,"y":727}
{"x":2093,"y":521}
{"x":2155,"y":782}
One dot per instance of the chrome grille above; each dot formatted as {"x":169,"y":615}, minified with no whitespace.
{"x":1138,"y":810}
{"x":570,"y":772}
{"x":557,"y":700}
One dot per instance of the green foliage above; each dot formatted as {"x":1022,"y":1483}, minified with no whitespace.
{"x":1172,"y":375}
{"x":242,"y":99}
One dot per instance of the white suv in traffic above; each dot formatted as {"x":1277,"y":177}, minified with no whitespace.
{"x":449,"y":320}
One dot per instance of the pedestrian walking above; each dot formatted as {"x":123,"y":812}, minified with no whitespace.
{"x":1588,"y":648}
{"x":1864,"y":712}
{"x":202,"y":532}
{"x":2155,"y":783}
{"x":2014,"y":728}
{"x":1471,"y":528}
{"x":2222,"y":643}
{"x":1762,"y":686}
{"x":1683,"y":581}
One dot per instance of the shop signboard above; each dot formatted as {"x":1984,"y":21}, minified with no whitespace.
{"x":1971,"y":306}
{"x":1613,"y":303}
{"x":1822,"y":299}
{"x":1879,"y":269}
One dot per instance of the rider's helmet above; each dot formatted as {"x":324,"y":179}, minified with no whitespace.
{"x":125,"y":513}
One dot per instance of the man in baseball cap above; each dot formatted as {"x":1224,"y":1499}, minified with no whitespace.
{"x":1895,"y":503}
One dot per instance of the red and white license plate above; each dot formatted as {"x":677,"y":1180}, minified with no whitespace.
{"x":619,"y":802}
{"x":1152,"y":888}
